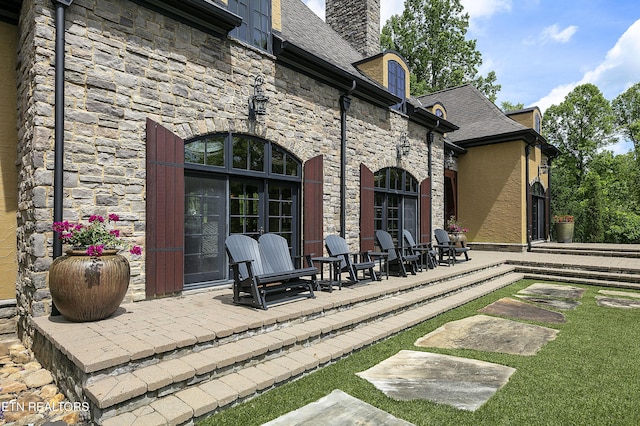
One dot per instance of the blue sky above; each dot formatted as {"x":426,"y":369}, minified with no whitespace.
{"x":541,"y":49}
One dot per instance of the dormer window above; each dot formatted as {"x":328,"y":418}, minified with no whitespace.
{"x":397,"y":83}
{"x":256,"y":22}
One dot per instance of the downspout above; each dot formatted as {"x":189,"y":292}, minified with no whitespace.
{"x":430,"y":139}
{"x":345,"y":103}
{"x":527,"y":148}
{"x":58,"y":165}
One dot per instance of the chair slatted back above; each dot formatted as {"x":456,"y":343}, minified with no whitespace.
{"x":275,"y":253}
{"x":240,"y":247}
{"x":386,"y":244}
{"x":409,"y":238}
{"x":337,"y":247}
{"x":442,"y":237}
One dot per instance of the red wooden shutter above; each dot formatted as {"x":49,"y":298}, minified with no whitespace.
{"x":425,"y":211}
{"x":313,"y":238}
{"x":164,"y":251}
{"x":366,"y":209}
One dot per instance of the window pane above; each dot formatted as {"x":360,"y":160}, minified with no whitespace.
{"x":293,"y":166}
{"x":215,"y":152}
{"x":240,"y":153}
{"x":277,"y":161}
{"x":395,"y":179}
{"x":194,"y":152}
{"x":256,"y":156}
{"x":379,"y":179}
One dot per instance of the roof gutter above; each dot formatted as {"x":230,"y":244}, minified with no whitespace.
{"x":315,"y":67}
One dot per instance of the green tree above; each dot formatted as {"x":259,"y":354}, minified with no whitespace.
{"x":579,"y":126}
{"x":507,"y":106}
{"x":591,"y":227}
{"x":430,"y":35}
{"x":626,"y":107}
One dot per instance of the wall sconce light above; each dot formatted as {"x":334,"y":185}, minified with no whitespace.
{"x":403,"y":147}
{"x":449,"y":161}
{"x":543,"y":167}
{"x":258,"y":102}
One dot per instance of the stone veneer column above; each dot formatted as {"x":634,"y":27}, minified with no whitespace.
{"x":357,"y":21}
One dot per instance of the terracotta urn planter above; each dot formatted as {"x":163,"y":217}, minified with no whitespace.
{"x":458,"y":238}
{"x":86,"y":288}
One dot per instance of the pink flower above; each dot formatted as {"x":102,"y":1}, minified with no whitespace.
{"x":115,"y":233}
{"x":137,"y":250}
{"x":95,"y":217}
{"x":95,"y":251}
{"x":114,"y":217}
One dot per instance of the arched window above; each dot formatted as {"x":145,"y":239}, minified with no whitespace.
{"x":396,"y":202}
{"x":235,"y":184}
{"x":397,"y":83}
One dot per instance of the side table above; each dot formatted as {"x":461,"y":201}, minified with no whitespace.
{"x":380,"y":255}
{"x":335,"y":277}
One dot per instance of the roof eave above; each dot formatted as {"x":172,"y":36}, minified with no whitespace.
{"x":201,"y":14}
{"x":428,"y":119}
{"x":303,"y":61}
{"x":530,"y":136}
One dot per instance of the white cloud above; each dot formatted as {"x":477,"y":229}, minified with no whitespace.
{"x":485,"y":8}
{"x":617,"y":72}
{"x":554,"y":33}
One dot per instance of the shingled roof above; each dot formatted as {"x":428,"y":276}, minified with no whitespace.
{"x":310,"y":45}
{"x":479,"y":118}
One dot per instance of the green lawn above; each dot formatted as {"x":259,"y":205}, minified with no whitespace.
{"x":589,"y":375}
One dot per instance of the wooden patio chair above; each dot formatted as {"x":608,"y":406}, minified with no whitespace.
{"x":260,"y":280}
{"x":397,"y":258}
{"x":424,"y":250}
{"x":448,"y":248}
{"x":351,"y":262}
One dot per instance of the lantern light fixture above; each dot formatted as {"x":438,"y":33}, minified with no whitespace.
{"x":403,"y":147}
{"x":258,"y":101}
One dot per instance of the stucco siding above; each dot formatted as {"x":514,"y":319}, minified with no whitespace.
{"x":491,"y":193}
{"x":8,"y":157}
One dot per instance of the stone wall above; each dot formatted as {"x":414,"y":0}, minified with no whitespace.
{"x":125,"y":63}
{"x":357,"y":21}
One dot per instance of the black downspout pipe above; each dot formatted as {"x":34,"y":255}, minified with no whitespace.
{"x":430,"y":139}
{"x":527,"y":203}
{"x":345,"y":103}
{"x":58,"y":168}
{"x":548,"y":212}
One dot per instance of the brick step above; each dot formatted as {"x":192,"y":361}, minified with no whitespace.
{"x":617,"y":278}
{"x":627,"y":273}
{"x":634,"y":254}
{"x":160,"y":376}
{"x":248,"y":379}
{"x":580,"y":280}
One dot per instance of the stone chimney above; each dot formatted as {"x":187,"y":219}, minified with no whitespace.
{"x":357,"y":21}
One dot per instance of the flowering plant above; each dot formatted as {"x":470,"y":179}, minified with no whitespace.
{"x":563,"y":218}
{"x":454,"y":226}
{"x":95,"y":236}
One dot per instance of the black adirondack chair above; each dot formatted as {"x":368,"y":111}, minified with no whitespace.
{"x":448,"y":248}
{"x":428,"y":255}
{"x":351,"y":262}
{"x":259,"y":282}
{"x":397,"y":259}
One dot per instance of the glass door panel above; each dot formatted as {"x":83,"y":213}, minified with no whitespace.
{"x":205,"y":230}
{"x":245,"y":207}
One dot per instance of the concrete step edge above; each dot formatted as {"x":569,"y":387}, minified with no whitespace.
{"x":115,"y":389}
{"x":208,"y":397}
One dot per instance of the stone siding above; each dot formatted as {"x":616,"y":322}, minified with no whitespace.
{"x":358,"y":22}
{"x":125,"y":63}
